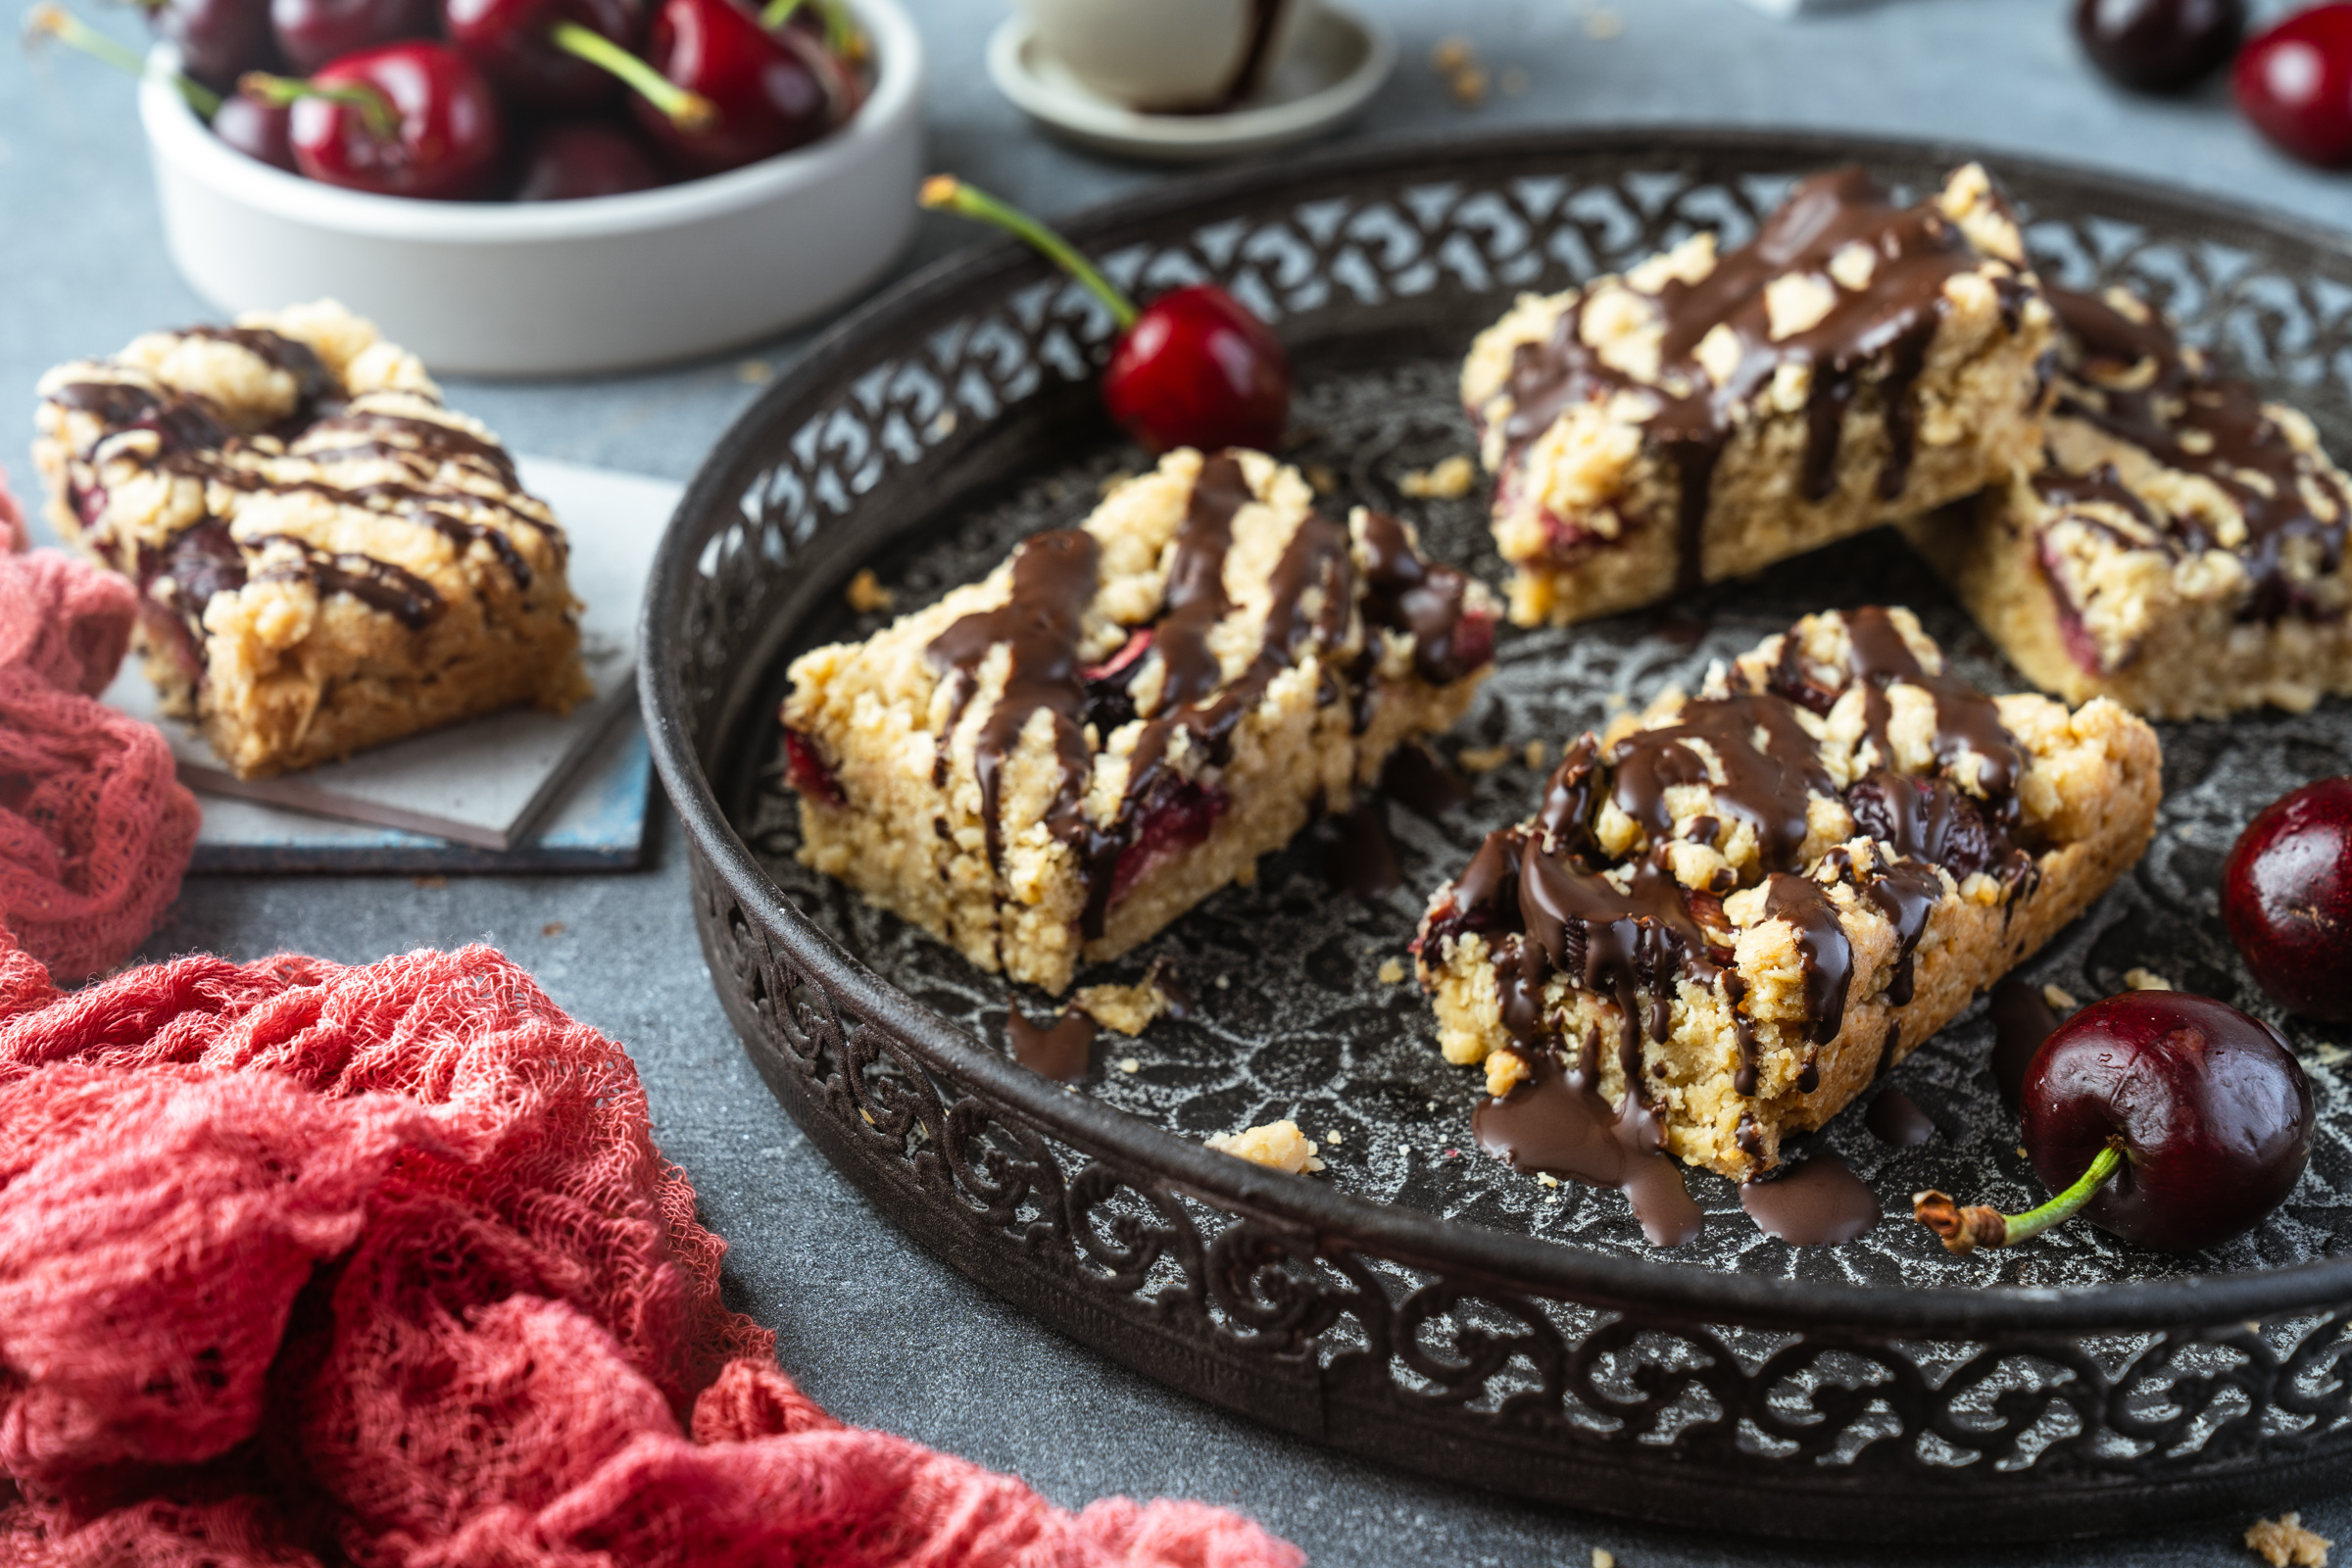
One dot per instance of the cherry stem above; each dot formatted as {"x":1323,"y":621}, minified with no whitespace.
{"x":1964,"y":1230}
{"x":56,"y":22}
{"x":947,"y":192}
{"x":374,"y":105}
{"x":686,"y":109}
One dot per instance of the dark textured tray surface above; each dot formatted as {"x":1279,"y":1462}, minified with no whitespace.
{"x":1294,"y":1022}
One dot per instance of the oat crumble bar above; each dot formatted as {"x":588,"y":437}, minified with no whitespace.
{"x":1045,"y":767}
{"x":2181,"y":546}
{"x":327,"y":558}
{"x":1751,"y":903}
{"x":1701,"y":416}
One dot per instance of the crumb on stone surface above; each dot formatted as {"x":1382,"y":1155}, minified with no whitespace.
{"x":1392,"y":970}
{"x":1602,"y":1557}
{"x":430,"y":880}
{"x":2146,"y":980}
{"x":553,"y":928}
{"x":755,"y":372}
{"x":1130,"y":1064}
{"x":1123,"y":1010}
{"x":1537,"y":754}
{"x":1482,"y":758}
{"x":1604,"y":25}
{"x":1276,"y":1144}
{"x":2283,"y":1541}
{"x":1451,"y":54}
{"x":1469,"y":86}
{"x":1446,"y":481}
{"x":2059,"y":997}
{"x":867,"y":594}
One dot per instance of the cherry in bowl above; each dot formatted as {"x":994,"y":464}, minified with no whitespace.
{"x":411,"y":119}
{"x":2159,"y":46}
{"x":2174,"y":1122}
{"x":2286,"y":898}
{"x":2294,"y":83}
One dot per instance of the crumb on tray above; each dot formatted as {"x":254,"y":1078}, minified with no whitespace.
{"x":867,"y":594}
{"x":2283,"y":1541}
{"x":1278,"y":1144}
{"x":1446,"y":481}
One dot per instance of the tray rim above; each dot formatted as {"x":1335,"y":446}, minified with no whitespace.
{"x":1685,"y":1292}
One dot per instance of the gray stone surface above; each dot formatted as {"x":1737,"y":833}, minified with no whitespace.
{"x":875,"y":1328}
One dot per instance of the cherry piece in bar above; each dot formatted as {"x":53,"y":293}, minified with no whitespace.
{"x":408,"y":120}
{"x":2160,"y":46}
{"x":2174,"y":1122}
{"x":2294,"y":82}
{"x":1194,"y":368}
{"x":2286,"y":897}
{"x":571,"y":159}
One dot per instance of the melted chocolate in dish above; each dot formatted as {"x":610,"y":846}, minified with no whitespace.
{"x":1551,"y":905}
{"x":1312,"y":594}
{"x":2186,"y":416}
{"x":1887,"y":323}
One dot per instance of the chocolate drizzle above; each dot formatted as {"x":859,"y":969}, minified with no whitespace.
{"x":1829,"y":956}
{"x":1817,"y":1201}
{"x":1424,"y":600}
{"x":2184,"y":415}
{"x":1887,"y":323}
{"x":1558,"y":1124}
{"x":378,"y":585}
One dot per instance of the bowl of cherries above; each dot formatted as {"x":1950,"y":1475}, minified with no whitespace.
{"x":535,"y":187}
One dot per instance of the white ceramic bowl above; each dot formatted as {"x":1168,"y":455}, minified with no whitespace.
{"x":553,"y":289}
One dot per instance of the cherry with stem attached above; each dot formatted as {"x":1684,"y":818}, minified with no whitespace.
{"x":2173,"y":1121}
{"x":314,"y":33}
{"x":411,"y":119}
{"x":253,"y":128}
{"x":1193,"y":368}
{"x":765,"y":94}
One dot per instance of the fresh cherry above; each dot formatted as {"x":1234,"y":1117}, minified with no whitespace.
{"x":313,"y":33}
{"x":219,"y":41}
{"x":521,"y":46}
{"x":1191,"y":369}
{"x":2159,"y":46}
{"x":258,"y":129}
{"x":408,"y":120}
{"x":2174,"y":1122}
{"x":2286,"y":897}
{"x":2294,"y":82}
{"x":832,"y":41}
{"x":764,"y":95}
{"x":575,"y":159}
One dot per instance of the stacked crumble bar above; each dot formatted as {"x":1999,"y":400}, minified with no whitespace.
{"x":327,"y":558}
{"x":2181,"y":548}
{"x":1047,"y":766}
{"x":1703,"y":415}
{"x":1734,"y":912}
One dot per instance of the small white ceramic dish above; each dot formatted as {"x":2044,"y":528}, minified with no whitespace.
{"x":1337,"y":63}
{"x":559,"y":288}
{"x":1165,"y":53}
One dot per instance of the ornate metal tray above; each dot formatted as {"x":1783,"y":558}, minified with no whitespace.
{"x":1416,"y":1303}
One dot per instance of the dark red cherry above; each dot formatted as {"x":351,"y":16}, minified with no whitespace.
{"x":407,"y":119}
{"x":2212,"y":1109}
{"x":515,"y":44}
{"x":2294,"y":82}
{"x":2159,"y":46}
{"x":256,"y":129}
{"x":312,"y":32}
{"x":767,"y":96}
{"x":219,"y":41}
{"x":575,"y":159}
{"x":2286,"y":897}
{"x":1193,"y":368}
{"x":839,"y":48}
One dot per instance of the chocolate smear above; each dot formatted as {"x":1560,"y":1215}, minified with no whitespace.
{"x":1361,"y":860}
{"x":2021,"y":1022}
{"x":1894,"y":1118}
{"x":1414,"y":777}
{"x":1815,"y":1201}
{"x":1556,"y":1124}
{"x":1057,"y":1051}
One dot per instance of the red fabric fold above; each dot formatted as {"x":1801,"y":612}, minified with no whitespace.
{"x":300,"y":1262}
{"x":95,"y":828}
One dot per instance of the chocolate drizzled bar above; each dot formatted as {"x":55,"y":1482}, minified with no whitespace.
{"x":1702,"y":417}
{"x":2180,"y":547}
{"x":1047,"y":766}
{"x":1730,"y":914}
{"x":327,"y":558}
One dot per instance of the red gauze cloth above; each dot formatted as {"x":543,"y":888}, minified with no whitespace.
{"x":94,"y":827}
{"x":302,"y":1263}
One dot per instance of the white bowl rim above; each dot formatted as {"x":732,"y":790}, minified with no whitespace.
{"x":174,"y":132}
{"x":1099,"y":116}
